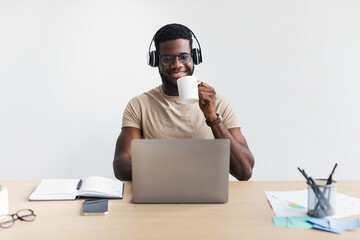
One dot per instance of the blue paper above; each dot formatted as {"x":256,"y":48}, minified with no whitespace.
{"x":322,"y":222}
{"x":328,"y":229}
{"x":299,"y":222}
{"x":279,"y":221}
{"x":293,"y":222}
{"x":335,"y":225}
{"x":348,"y":224}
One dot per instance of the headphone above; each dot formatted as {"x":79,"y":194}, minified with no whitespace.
{"x":153,"y":59}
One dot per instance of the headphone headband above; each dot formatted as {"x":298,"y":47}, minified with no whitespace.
{"x":153,"y":59}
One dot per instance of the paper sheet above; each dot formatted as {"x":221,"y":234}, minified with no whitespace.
{"x":294,"y":204}
{"x":331,"y":225}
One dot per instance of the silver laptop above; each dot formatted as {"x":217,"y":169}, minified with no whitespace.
{"x":180,"y":170}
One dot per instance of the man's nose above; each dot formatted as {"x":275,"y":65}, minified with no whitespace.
{"x":176,"y":62}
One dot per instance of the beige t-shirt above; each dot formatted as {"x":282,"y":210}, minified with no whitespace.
{"x":161,"y":116}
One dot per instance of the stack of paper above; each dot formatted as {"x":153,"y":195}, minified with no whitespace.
{"x":335,"y":225}
{"x":290,"y":208}
{"x":332,"y":225}
{"x":294,"y":204}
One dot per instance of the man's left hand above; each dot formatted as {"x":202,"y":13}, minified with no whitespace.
{"x":207,"y":101}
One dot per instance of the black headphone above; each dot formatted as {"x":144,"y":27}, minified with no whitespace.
{"x":153,"y":59}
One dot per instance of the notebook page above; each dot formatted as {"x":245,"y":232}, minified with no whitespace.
{"x":55,"y":189}
{"x":101,"y":187}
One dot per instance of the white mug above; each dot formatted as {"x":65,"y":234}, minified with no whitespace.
{"x":188,"y":89}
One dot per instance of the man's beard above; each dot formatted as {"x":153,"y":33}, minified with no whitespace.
{"x":166,"y":81}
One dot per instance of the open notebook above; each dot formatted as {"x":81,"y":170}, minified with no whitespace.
{"x":70,"y":189}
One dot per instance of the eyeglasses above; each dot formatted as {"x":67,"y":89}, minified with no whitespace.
{"x":184,"y":58}
{"x":7,"y":221}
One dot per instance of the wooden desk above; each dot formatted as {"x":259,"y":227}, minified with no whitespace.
{"x":247,"y":215}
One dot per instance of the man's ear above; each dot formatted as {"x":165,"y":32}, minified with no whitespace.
{"x":153,"y":59}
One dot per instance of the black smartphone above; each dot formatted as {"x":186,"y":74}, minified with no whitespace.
{"x":95,"y":207}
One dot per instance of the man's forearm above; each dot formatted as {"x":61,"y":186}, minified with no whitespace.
{"x":241,"y":159}
{"x":122,"y":168}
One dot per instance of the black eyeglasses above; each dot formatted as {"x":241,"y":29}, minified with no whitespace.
{"x":8,"y":220}
{"x":184,"y":58}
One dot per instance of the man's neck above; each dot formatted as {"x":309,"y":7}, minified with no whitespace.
{"x":170,"y":91}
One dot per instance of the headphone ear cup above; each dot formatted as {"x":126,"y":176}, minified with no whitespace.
{"x":153,"y":60}
{"x":196,"y":55}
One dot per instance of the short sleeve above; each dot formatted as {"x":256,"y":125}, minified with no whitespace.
{"x":228,"y":113}
{"x":132,"y":114}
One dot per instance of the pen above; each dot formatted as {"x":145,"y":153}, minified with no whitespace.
{"x":329,"y":181}
{"x":79,"y":184}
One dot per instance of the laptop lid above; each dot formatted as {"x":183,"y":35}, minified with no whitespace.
{"x":180,"y":170}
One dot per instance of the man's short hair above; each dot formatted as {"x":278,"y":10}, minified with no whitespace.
{"x":172,"y":32}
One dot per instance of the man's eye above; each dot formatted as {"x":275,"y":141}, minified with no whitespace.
{"x":184,"y":57}
{"x":166,"y":59}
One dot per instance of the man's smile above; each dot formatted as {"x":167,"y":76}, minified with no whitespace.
{"x":179,"y":74}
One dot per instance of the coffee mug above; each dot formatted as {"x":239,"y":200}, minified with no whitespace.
{"x":188,"y":89}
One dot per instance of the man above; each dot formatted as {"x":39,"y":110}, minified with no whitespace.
{"x":159,"y":114}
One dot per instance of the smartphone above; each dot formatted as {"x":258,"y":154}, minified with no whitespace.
{"x":95,"y":207}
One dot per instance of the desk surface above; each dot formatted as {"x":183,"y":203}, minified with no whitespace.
{"x":247,"y":215}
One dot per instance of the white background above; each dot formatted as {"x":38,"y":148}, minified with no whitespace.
{"x":68,"y":68}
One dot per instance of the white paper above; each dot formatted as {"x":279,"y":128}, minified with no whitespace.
{"x":66,"y":189}
{"x":101,"y":187}
{"x":55,"y":189}
{"x":281,"y":204}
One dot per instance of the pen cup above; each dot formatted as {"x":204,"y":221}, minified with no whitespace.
{"x":321,"y":198}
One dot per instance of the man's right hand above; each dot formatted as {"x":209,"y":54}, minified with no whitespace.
{"x":122,"y":158}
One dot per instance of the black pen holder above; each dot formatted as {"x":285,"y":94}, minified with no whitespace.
{"x":321,"y":198}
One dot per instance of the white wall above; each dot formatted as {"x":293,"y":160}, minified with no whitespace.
{"x":68,"y":68}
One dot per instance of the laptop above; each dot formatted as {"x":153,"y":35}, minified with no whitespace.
{"x":180,"y":170}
